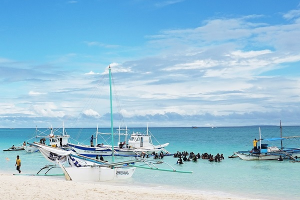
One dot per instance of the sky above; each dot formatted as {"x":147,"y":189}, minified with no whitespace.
{"x":174,"y":63}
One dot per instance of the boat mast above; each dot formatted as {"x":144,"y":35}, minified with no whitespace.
{"x":119,"y":134}
{"x":259,"y":139}
{"x":111,"y":117}
{"x":126,"y":133}
{"x":147,"y":129}
{"x":97,"y":135}
{"x":280,"y":134}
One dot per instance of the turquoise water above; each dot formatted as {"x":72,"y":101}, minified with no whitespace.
{"x":255,"y":179}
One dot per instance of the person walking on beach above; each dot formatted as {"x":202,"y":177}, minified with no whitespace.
{"x":18,"y":164}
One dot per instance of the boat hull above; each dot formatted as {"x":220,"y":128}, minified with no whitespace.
{"x":31,"y":148}
{"x":289,"y":153}
{"x":107,"y":151}
{"x":98,"y":173}
{"x":251,"y":156}
{"x":14,"y":149}
{"x":91,"y":151}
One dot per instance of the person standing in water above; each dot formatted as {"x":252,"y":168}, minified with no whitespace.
{"x":18,"y":164}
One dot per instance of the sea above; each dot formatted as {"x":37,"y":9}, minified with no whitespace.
{"x":230,"y":177}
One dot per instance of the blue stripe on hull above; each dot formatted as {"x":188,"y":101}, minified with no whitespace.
{"x":93,"y":155}
{"x":89,"y":148}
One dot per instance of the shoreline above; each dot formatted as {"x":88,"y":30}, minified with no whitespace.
{"x":33,"y":187}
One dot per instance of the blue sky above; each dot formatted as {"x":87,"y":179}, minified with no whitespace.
{"x":174,"y":62}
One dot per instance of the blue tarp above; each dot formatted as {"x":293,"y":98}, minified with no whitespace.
{"x":273,"y":139}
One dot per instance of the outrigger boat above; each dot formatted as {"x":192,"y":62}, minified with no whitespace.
{"x":13,"y":148}
{"x":55,"y":140}
{"x":80,"y":168}
{"x":136,"y":145}
{"x":265,"y":152}
{"x":77,"y":167}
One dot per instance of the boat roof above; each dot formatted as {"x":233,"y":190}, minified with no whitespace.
{"x":273,"y":139}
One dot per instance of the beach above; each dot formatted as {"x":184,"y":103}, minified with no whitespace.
{"x":32,"y":187}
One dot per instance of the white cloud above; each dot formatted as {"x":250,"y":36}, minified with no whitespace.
{"x":164,"y":3}
{"x":197,"y":64}
{"x":249,"y":54}
{"x":5,"y":60}
{"x":33,"y":93}
{"x":91,"y":112}
{"x":91,"y":73}
{"x":47,"y":109}
{"x":292,"y":14}
{"x":223,"y":69}
{"x":118,"y":68}
{"x":99,"y":44}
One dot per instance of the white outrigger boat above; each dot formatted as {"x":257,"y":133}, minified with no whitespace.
{"x":136,"y":145}
{"x":265,"y":152}
{"x":80,"y":168}
{"x":55,"y":140}
{"x":77,"y":167}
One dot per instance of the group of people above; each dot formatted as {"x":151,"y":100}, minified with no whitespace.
{"x":100,"y":158}
{"x":186,"y":156}
{"x":13,"y":146}
{"x":43,"y":140}
{"x":155,"y":155}
{"x":216,"y":158}
{"x":158,"y":156}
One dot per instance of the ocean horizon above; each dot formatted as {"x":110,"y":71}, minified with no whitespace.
{"x":139,"y":127}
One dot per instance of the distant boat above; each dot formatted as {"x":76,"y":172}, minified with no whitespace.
{"x":194,"y":127}
{"x":13,"y":148}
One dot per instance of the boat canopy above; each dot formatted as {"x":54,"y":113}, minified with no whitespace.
{"x":273,"y":139}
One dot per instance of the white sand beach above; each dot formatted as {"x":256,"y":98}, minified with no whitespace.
{"x":32,"y":187}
